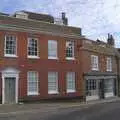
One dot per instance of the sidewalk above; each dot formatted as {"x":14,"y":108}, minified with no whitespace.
{"x":48,"y":107}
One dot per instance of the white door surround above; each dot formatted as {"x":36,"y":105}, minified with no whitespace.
{"x":10,"y":72}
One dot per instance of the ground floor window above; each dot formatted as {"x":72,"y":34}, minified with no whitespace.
{"x":52,"y":82}
{"x":32,"y":83}
{"x":91,"y":87}
{"x":109,"y":87}
{"x":99,"y":88}
{"x":70,"y":82}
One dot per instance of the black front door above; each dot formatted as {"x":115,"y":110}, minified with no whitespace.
{"x":101,"y":88}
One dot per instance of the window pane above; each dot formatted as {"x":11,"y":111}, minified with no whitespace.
{"x":10,"y":45}
{"x":32,"y":82}
{"x":32,"y":47}
{"x":52,"y":48}
{"x":109,"y":64}
{"x":71,"y":81}
{"x":69,"y":48}
{"x":94,"y":62}
{"x":52,"y":81}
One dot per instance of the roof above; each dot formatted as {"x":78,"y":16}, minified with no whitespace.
{"x":4,"y":14}
{"x":39,"y":16}
{"x":12,"y":23}
{"x":98,"y":47}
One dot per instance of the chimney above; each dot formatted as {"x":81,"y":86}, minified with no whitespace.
{"x":110,"y":40}
{"x":65,"y":20}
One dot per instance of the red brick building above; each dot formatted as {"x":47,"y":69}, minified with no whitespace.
{"x":43,"y":60}
{"x":99,"y":66}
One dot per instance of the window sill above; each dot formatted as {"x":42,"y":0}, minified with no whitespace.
{"x":32,"y":93}
{"x":71,"y":91}
{"x":93,"y":69}
{"x":53,"y":92}
{"x":70,"y":58}
{"x":54,"y":58}
{"x":33,"y":57}
{"x":109,"y":70}
{"x":13,"y":56}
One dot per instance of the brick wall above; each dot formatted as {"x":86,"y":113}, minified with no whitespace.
{"x":42,"y":65}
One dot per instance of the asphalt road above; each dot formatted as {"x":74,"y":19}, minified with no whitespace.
{"x":109,"y":111}
{"x":106,"y":111}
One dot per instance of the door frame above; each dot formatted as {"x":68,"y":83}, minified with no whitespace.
{"x":10,"y":73}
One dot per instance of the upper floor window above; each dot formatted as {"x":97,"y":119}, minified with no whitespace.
{"x":32,"y":48}
{"x":32,"y":83}
{"x":109,"y":64}
{"x":69,"y":49}
{"x":52,"y":49}
{"x":94,"y":62}
{"x":10,"y":46}
{"x":70,"y":82}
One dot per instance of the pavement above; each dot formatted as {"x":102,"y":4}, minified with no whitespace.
{"x":48,"y":107}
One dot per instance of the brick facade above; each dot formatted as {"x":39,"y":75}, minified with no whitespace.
{"x":81,"y":65}
{"x":43,"y":65}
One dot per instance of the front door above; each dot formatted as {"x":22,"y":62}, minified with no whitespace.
{"x":101,"y":88}
{"x":92,"y":90}
{"x":10,"y":83}
{"x":109,"y":87}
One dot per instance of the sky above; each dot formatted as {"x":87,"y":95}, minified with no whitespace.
{"x":97,"y":18}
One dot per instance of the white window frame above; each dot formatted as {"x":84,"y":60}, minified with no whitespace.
{"x":72,"y":81}
{"x":94,"y":62}
{"x":109,"y":64}
{"x":53,"y":42}
{"x":53,"y":91}
{"x":10,"y":55}
{"x":29,"y":92}
{"x":33,"y":56}
{"x":73,"y":50}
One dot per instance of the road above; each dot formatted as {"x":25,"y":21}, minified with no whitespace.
{"x":109,"y":111}
{"x":106,"y":111}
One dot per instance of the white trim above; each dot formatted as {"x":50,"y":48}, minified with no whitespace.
{"x":111,"y":94}
{"x":70,"y":58}
{"x":10,"y":55}
{"x":33,"y":57}
{"x":32,"y":93}
{"x":53,"y":92}
{"x":70,"y":91}
{"x":10,"y":73}
{"x":49,"y":57}
{"x":94,"y":97}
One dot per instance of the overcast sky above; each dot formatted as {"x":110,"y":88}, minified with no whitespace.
{"x":97,"y":18}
